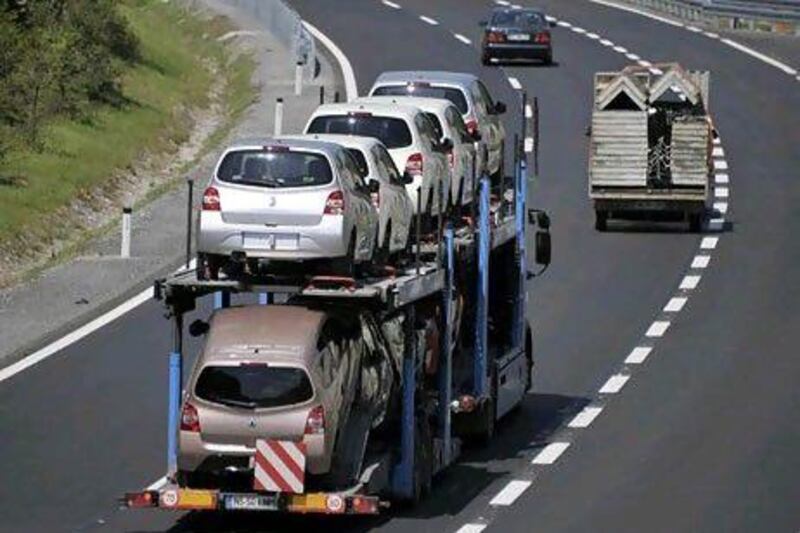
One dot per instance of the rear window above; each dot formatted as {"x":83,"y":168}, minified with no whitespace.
{"x":275,"y":169}
{"x":455,"y":96}
{"x":393,"y":132}
{"x":253,"y":386}
{"x":361,"y":162}
{"x":518,"y":19}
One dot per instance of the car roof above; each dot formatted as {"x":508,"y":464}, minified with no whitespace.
{"x":388,"y":109}
{"x":435,"y":105}
{"x":327,"y":147}
{"x":343,"y":139}
{"x":284,"y":333}
{"x":459,"y":79}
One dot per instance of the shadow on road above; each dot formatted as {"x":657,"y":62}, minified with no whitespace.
{"x":519,"y":436}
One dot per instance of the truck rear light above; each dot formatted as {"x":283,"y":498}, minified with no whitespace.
{"x":415,"y":164}
{"x":315,"y":423}
{"x":211,"y":200}
{"x":335,"y":204}
{"x":542,"y":38}
{"x":140,"y":500}
{"x":376,"y":199}
{"x":364,"y":505}
{"x":496,"y":37}
{"x":472,"y":126}
{"x":190,"y":420}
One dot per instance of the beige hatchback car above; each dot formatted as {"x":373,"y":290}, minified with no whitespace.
{"x":277,"y":372}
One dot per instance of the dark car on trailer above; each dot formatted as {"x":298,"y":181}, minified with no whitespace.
{"x":514,"y":33}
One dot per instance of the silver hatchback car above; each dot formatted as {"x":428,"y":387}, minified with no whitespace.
{"x":285,"y":200}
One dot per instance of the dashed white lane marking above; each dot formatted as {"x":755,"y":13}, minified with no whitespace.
{"x":709,"y":243}
{"x":585,"y":417}
{"x":711,"y":34}
{"x":717,"y":141}
{"x":528,"y":111}
{"x":718,"y":151}
{"x":656,"y":71}
{"x":701,"y":261}
{"x":606,"y":42}
{"x":388,"y":3}
{"x":722,"y":207}
{"x":593,"y":36}
{"x":638,"y":355}
{"x":694,"y":29}
{"x":578,"y":29}
{"x":721,"y":178}
{"x":645,"y":64}
{"x":550,"y":453}
{"x":471,"y":528}
{"x":621,"y":49}
{"x":528,"y":145}
{"x":564,"y":24}
{"x":502,"y":3}
{"x":720,"y":164}
{"x":510,"y":492}
{"x":614,"y":384}
{"x":464,"y":39}
{"x":689,"y":282}
{"x":515,"y":83}
{"x":657,"y":328}
{"x":633,"y":57}
{"x":428,"y":20}
{"x":675,"y":304}
{"x":721,"y":192}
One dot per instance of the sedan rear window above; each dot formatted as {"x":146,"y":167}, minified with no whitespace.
{"x":253,"y":386}
{"x":393,"y":132}
{"x":275,"y":169}
{"x":455,"y":96}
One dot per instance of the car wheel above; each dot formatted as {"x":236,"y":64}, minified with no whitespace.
{"x":695,"y":222}
{"x":548,"y":60}
{"x":600,"y":220}
{"x":346,"y":266}
{"x":385,"y":250}
{"x":486,"y":59}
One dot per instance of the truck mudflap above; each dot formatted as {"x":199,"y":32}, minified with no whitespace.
{"x":174,"y":498}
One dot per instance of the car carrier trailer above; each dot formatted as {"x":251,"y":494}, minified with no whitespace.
{"x":481,"y":375}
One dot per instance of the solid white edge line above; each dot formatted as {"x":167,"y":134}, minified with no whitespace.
{"x":758,"y":55}
{"x":388,"y":3}
{"x":463,"y":38}
{"x":78,"y":334}
{"x":157,"y":484}
{"x":550,"y":453}
{"x":510,"y":492}
{"x":514,"y":83}
{"x":675,"y":304}
{"x":585,"y":417}
{"x":638,"y":355}
{"x":429,"y":20}
{"x":350,"y":85}
{"x":614,"y":384}
{"x":638,"y":12}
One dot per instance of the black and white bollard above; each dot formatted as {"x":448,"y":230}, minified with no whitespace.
{"x":125,"y":247}
{"x":278,"y":117}
{"x":298,"y":79}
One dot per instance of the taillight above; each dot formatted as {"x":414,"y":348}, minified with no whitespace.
{"x":414,"y":164}
{"x":451,"y":159}
{"x":472,"y":126}
{"x":495,"y":37}
{"x":315,"y":423}
{"x":376,"y":199}
{"x":190,"y":420}
{"x":334,"y":205}
{"x":211,"y":200}
{"x":542,"y":38}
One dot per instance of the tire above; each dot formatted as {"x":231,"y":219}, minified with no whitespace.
{"x":528,"y":359}
{"x":499,"y":175}
{"x":385,"y":250}
{"x":600,"y":220}
{"x":486,"y":59}
{"x":346,"y":266}
{"x":695,"y":222}
{"x":423,"y":459}
{"x":548,"y":60}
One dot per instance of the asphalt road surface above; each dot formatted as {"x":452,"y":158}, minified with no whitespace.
{"x":704,"y":434}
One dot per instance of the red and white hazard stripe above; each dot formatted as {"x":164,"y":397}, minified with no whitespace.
{"x":280,"y":466}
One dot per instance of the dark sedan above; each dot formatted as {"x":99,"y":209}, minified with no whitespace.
{"x":514,"y":33}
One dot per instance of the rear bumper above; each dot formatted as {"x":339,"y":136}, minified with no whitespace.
{"x":323,"y":241}
{"x":518,"y":50}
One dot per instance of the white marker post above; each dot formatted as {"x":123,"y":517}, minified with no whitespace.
{"x":298,"y":79}
{"x":125,"y":248}
{"x":278,"y":116}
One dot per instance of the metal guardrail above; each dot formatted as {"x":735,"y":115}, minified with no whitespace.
{"x":780,"y":16}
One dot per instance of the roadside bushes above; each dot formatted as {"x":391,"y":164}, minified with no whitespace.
{"x":57,"y":59}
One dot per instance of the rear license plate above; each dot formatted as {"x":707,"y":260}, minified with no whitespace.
{"x":259,"y":241}
{"x":519,"y":37}
{"x":250,"y":502}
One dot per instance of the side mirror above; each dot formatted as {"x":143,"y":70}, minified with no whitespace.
{"x":406,"y":178}
{"x":543,"y":248}
{"x":446,"y":144}
{"x":500,"y":108}
{"x":483,"y":23}
{"x":198,"y":328}
{"x":537,"y":217}
{"x":373,"y":186}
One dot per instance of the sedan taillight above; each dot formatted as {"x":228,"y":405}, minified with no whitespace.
{"x":495,"y":37}
{"x":315,"y":423}
{"x":211,"y":200}
{"x":542,"y":38}
{"x":414,"y":165}
{"x":190,"y":420}
{"x":335,"y":204}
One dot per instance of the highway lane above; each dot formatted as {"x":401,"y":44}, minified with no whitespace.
{"x":107,"y":427}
